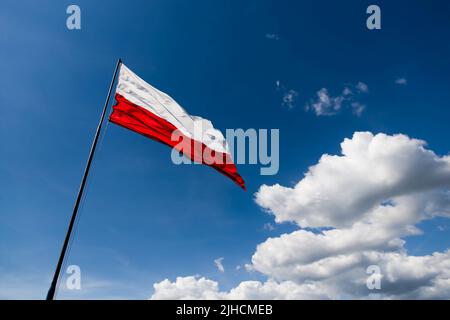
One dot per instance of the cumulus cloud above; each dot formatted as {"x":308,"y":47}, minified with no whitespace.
{"x":219,"y":265}
{"x":187,"y":288}
{"x":372,"y":196}
{"x":327,"y":105}
{"x":359,"y":207}
{"x":191,"y":287}
{"x":372,"y":170}
{"x":403,"y":277}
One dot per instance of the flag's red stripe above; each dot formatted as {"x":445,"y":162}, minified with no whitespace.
{"x":140,"y":120}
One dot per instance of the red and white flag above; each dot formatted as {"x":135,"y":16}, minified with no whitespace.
{"x":154,"y":114}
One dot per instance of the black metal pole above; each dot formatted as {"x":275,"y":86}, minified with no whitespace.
{"x":52,"y":290}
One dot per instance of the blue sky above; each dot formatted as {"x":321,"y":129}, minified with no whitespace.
{"x":144,"y":219}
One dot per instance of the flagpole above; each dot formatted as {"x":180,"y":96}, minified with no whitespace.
{"x":52,"y":290}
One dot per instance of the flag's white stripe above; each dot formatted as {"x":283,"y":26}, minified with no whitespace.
{"x":139,"y":92}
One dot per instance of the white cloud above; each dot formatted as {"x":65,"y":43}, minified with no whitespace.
{"x":289,"y":96}
{"x":403,"y":277}
{"x":325,"y":105}
{"x":361,"y":86}
{"x":370,"y":198}
{"x":372,"y":195}
{"x":249,"y":267}
{"x":328,"y":105}
{"x":277,"y":84}
{"x":347,"y":91}
{"x":186,"y":288}
{"x":219,"y":265}
{"x":401,"y":81}
{"x":358,"y":108}
{"x":343,"y":189}
{"x":272,"y":290}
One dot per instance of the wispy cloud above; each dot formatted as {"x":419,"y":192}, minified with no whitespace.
{"x":268,"y":227}
{"x":327,"y":105}
{"x":219,"y":265}
{"x":289,"y":96}
{"x":358,"y":108}
{"x":401,"y":81}
{"x":272,"y":36}
{"x":249,"y":267}
{"x":24,"y":286}
{"x":362,"y":87}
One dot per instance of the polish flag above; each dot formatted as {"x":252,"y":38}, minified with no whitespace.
{"x":154,"y":114}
